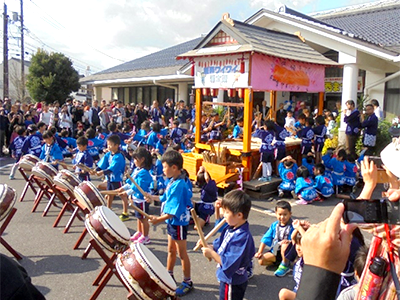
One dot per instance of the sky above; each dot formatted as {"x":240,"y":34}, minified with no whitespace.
{"x":104,"y":33}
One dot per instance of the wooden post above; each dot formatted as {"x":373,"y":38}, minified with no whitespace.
{"x":320,"y":102}
{"x":272,"y":101}
{"x":247,"y":120}
{"x":198,"y":117}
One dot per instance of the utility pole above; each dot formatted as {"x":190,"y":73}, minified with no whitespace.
{"x":5,"y":53}
{"x":22,"y":52}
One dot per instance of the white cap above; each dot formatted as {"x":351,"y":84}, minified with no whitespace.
{"x":391,"y":157}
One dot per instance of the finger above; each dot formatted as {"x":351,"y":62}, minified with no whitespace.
{"x":346,"y":233}
{"x":394,"y":195}
{"x":333,"y":222}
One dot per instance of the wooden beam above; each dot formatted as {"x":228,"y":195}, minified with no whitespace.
{"x":197,"y":135}
{"x":247,"y":120}
{"x":224,"y":103}
{"x":321,"y":103}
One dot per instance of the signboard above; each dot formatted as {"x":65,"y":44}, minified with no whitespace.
{"x":280,"y":74}
{"x":225,"y":72}
{"x":334,"y":85}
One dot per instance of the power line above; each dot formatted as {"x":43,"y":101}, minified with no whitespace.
{"x":59,"y":26}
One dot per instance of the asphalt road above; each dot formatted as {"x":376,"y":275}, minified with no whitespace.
{"x":59,"y":272}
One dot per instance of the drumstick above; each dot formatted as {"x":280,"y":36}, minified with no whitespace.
{"x":63,"y":164}
{"x":258,"y":170}
{"x":85,"y":168}
{"x":199,"y":230}
{"x":140,"y":211}
{"x":137,"y":186}
{"x":109,"y":192}
{"x":211,"y":233}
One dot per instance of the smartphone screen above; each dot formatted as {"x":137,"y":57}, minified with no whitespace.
{"x":377,"y":161}
{"x":364,"y":211}
{"x":371,"y":211}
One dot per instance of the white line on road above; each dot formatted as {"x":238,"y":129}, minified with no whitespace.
{"x":6,"y":166}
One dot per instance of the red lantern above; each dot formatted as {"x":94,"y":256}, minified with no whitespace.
{"x":242,"y":66}
{"x":206,"y":92}
{"x":241,"y":93}
{"x":231,"y":93}
{"x":192,"y":70}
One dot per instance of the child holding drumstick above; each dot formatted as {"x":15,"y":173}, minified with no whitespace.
{"x":234,"y":249}
{"x":176,"y":213}
{"x":141,"y":175}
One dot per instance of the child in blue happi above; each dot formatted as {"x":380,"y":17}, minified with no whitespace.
{"x":277,"y":239}
{"x":156,"y":171}
{"x":323,"y":185}
{"x":161,"y":146}
{"x":142,"y":177}
{"x":177,"y":133}
{"x":95,"y":145}
{"x":351,"y":171}
{"x":306,"y":134}
{"x":305,"y":190}
{"x":16,"y":149}
{"x":287,"y":171}
{"x":238,"y":129}
{"x":267,"y":135}
{"x":82,"y":157}
{"x":325,"y":160}
{"x":338,"y":166}
{"x":112,"y":165}
{"x":153,"y":137}
{"x":71,"y":143}
{"x":319,"y":137}
{"x":176,"y":213}
{"x":286,"y":294}
{"x":208,"y":195}
{"x":280,"y":135}
{"x":234,"y":249}
{"x":51,"y":151}
{"x":299,"y":124}
{"x":216,"y":127}
{"x":33,"y":143}
{"x":308,"y":162}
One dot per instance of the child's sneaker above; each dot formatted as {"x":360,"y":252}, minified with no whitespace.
{"x":262,"y":179}
{"x":281,"y":194}
{"x":124,"y":217}
{"x":145,"y":240}
{"x":11,"y":177}
{"x":301,"y":202}
{"x":136,"y":236}
{"x":269,"y":178}
{"x":282,"y":270}
{"x":294,"y":194}
{"x":184,"y":288}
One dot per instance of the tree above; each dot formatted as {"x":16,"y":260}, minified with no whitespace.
{"x":51,"y":77}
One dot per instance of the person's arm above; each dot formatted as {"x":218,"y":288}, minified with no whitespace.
{"x":210,"y":253}
{"x":157,"y":220}
{"x":326,"y":248}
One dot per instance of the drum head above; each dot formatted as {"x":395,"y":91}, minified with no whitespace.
{"x":8,"y":197}
{"x":113,"y":224}
{"x":154,"y":267}
{"x":67,"y":180}
{"x":44,"y":170}
{"x":84,"y":193}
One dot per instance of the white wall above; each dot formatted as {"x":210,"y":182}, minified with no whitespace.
{"x":377,"y":92}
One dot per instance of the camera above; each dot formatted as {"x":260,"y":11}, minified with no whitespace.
{"x":377,"y":161}
{"x":371,"y":211}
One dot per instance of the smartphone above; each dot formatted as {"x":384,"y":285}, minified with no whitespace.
{"x":371,"y":211}
{"x":377,"y":161}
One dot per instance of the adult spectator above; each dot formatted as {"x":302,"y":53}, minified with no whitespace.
{"x":156,"y":112}
{"x":15,"y":282}
{"x":183,"y":115}
{"x":370,"y":125}
{"x":4,"y":123}
{"x":65,"y":119}
{"x":281,"y":115}
{"x":94,"y":114}
{"x":264,"y":110}
{"x":352,"y":119}
{"x":77,"y":114}
{"x":377,"y":109}
{"x":7,"y":104}
{"x":45,"y":115}
{"x":169,"y":111}
{"x":68,"y":103}
{"x":105,"y":115}
{"x":119,"y":113}
{"x":141,"y":115}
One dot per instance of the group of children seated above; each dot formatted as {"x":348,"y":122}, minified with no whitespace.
{"x":317,"y":182}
